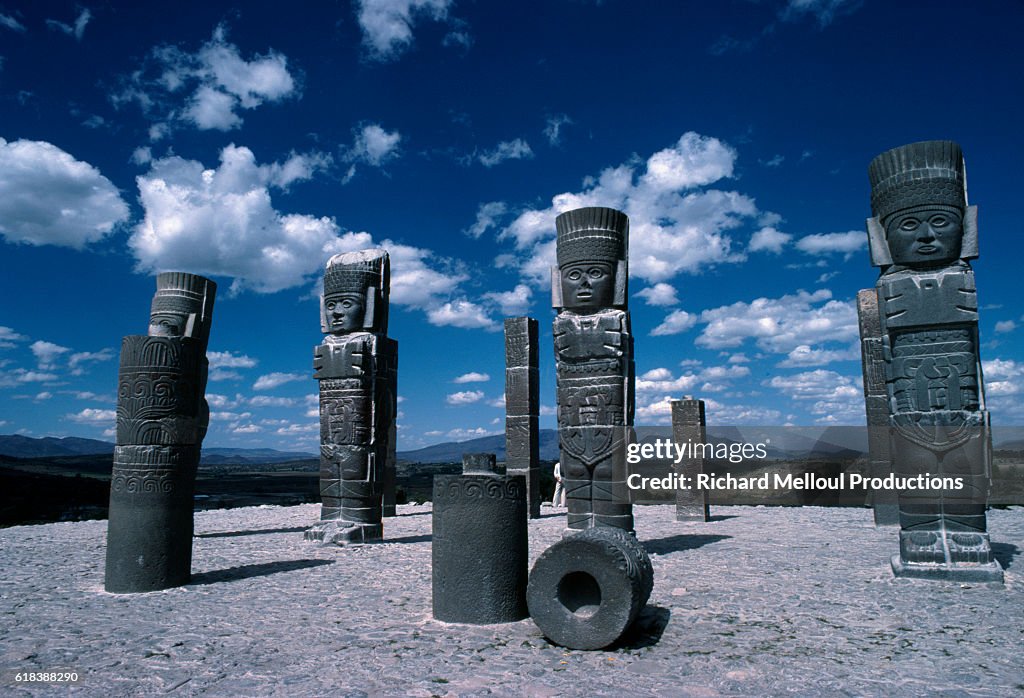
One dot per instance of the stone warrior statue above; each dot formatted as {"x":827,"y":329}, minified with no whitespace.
{"x":357,"y":366}
{"x":162,"y":418}
{"x":594,"y":365}
{"x":922,"y":235}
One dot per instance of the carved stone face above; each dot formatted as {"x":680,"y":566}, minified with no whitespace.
{"x":588,"y":285}
{"x":166,"y":325}
{"x":344,"y":312}
{"x":925,"y":237}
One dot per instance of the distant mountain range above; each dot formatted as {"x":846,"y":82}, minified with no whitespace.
{"x":18,"y":446}
{"x":784,"y":442}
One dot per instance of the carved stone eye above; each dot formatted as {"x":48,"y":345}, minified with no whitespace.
{"x":939,"y":221}
{"x":596,"y":272}
{"x":909,"y":224}
{"x":574,"y":275}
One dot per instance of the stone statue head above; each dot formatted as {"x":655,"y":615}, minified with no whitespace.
{"x":919,"y":200}
{"x":355,"y":297}
{"x":592,"y":251}
{"x":182,"y":306}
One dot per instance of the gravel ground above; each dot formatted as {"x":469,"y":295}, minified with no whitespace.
{"x":758,"y":601}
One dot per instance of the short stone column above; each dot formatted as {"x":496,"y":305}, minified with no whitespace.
{"x":588,"y":588}
{"x":689,"y":426}
{"x":479,"y":544}
{"x":522,"y":406}
{"x":162,"y":417}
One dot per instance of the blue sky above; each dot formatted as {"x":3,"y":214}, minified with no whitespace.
{"x":249,"y":143}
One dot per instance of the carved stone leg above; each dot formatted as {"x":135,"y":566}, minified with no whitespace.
{"x":943,"y":531}
{"x":351,"y":511}
{"x":612,"y":506}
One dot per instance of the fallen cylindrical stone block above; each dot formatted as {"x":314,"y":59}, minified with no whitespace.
{"x":479,"y":548}
{"x":587,"y":589}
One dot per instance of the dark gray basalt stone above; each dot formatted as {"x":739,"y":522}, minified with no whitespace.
{"x":689,"y":426}
{"x":876,"y":402}
{"x":594,"y":366}
{"x":162,"y":418}
{"x":522,"y":406}
{"x":923,"y":235}
{"x":357,"y":366}
{"x":588,"y":588}
{"x":479,"y":545}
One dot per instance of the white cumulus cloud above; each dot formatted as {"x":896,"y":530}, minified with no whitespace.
{"x":675,"y":226}
{"x":472,"y":377}
{"x":206,"y":89}
{"x":805,"y":355}
{"x":837,"y":399}
{"x":8,"y":337}
{"x":659,"y":294}
{"x":486,"y":218}
{"x":517,"y":149}
{"x":227,"y":359}
{"x":465,"y":397}
{"x":46,"y":353}
{"x":769,"y":239}
{"x":47,"y":197}
{"x":222,"y":222}
{"x":273,"y":380}
{"x":512,"y":303}
{"x":93,"y":417}
{"x":674,"y":323}
{"x":780,"y":325}
{"x":387,"y":24}
{"x":461,"y":313}
{"x":829,"y":243}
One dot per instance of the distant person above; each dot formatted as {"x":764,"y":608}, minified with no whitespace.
{"x":558,"y":500}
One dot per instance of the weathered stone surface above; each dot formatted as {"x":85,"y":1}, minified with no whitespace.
{"x":522,"y":406}
{"x":162,"y":417}
{"x":587,"y":589}
{"x":923,"y":235}
{"x":689,"y":425}
{"x":357,"y":366}
{"x":480,"y":546}
{"x":876,"y":403}
{"x":798,"y":610}
{"x":594,"y":365}
{"x":480,"y":464}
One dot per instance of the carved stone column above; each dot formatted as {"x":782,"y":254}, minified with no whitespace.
{"x":876,"y":402}
{"x":162,"y":418}
{"x":689,"y":426}
{"x":594,"y":365}
{"x":480,"y":547}
{"x":357,"y":366}
{"x":922,"y":235}
{"x":522,"y":406}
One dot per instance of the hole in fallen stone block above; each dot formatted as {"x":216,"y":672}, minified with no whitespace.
{"x":580,"y":593}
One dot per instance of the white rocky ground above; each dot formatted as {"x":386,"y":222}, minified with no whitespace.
{"x":759,"y":601}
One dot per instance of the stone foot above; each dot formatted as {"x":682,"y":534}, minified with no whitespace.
{"x":345,"y":533}
{"x":969,"y":547}
{"x":965,"y":572}
{"x":922,"y":547}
